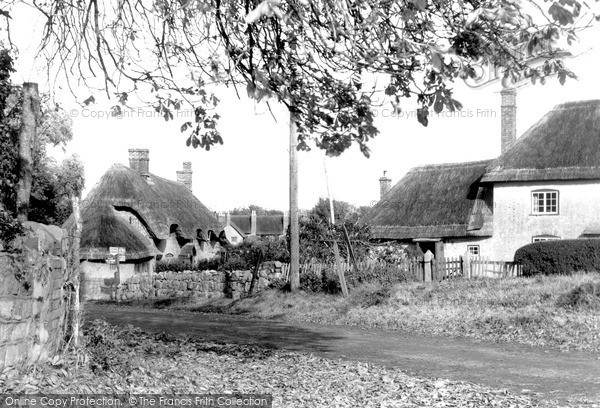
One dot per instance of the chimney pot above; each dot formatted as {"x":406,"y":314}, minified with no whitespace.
{"x":385,"y":184}
{"x":139,"y":161}
{"x":508,"y":118}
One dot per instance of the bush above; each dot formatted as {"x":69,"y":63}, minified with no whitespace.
{"x":560,"y":257}
{"x":311,"y":282}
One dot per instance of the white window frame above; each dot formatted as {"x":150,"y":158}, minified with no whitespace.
{"x":476,"y":252}
{"x":542,"y":202}
{"x":541,"y":238}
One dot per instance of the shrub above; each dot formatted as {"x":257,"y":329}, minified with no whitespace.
{"x":311,"y":282}
{"x":559,"y":257}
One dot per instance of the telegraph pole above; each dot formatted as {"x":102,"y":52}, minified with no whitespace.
{"x":294,"y":227}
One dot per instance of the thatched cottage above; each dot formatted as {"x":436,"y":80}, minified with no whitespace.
{"x":154,"y":219}
{"x":241,"y":226}
{"x":544,"y":185}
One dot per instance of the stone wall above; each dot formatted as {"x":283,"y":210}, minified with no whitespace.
{"x":205,"y":284}
{"x":32,"y":306}
{"x":197,"y":284}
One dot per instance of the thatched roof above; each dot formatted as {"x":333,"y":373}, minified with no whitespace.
{"x":265,"y":224}
{"x":103,"y":228}
{"x":435,"y":201}
{"x":563,"y":145}
{"x":158,"y":203}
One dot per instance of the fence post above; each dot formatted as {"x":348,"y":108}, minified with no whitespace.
{"x":466,"y":265}
{"x":427,"y":266}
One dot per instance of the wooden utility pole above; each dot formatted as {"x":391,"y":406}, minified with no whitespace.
{"x":336,"y":250}
{"x":294,"y":227}
{"x":29,"y":119}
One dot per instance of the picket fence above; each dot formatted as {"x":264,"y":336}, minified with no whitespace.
{"x":424,"y":270}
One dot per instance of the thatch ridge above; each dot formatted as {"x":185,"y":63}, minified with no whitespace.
{"x":431,"y":201}
{"x":562,"y":145}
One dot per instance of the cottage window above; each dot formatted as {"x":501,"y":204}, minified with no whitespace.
{"x":544,"y":202}
{"x":234,"y":239}
{"x":540,"y":238}
{"x":473,"y":249}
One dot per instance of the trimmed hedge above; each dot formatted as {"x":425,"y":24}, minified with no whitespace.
{"x":560,"y":257}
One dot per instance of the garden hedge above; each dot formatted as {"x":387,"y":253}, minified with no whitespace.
{"x":559,"y":257}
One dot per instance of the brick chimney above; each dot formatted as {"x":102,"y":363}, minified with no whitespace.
{"x":253,"y":223}
{"x":508,"y":118}
{"x":139,"y":161}
{"x":385,"y":183}
{"x":185,"y":176}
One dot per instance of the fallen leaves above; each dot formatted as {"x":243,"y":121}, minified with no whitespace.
{"x":133,"y":361}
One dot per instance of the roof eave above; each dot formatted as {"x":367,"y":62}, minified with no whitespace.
{"x":550,"y":174}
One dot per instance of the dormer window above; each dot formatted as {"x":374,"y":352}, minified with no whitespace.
{"x":544,"y":202}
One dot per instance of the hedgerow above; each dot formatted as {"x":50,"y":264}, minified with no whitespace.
{"x":560,"y":257}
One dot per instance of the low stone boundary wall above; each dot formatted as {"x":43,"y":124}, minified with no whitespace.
{"x":197,"y":284}
{"x":205,"y":284}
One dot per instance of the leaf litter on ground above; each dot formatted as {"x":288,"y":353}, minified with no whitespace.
{"x":127,"y":360}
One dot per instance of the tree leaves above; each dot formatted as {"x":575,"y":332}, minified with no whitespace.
{"x":90,"y":100}
{"x":560,"y":14}
{"x":422,"y":116}
{"x":311,"y":57}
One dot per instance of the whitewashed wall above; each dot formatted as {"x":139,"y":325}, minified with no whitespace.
{"x":515,"y":225}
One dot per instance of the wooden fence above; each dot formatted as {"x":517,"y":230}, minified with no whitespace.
{"x":424,"y":270}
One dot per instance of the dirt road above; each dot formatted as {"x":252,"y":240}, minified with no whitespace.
{"x":555,"y":375}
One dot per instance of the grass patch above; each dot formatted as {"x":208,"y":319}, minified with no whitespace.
{"x":584,"y":296}
{"x":555,"y":311}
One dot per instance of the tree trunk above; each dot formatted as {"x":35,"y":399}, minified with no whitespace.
{"x":29,"y":119}
{"x":294,"y":227}
{"x":255,"y":277}
{"x":76,"y":315}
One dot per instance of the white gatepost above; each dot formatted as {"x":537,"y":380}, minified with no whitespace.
{"x":428,"y":266}
{"x":467,"y":265}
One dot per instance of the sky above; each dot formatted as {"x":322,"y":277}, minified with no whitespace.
{"x":252,"y":165}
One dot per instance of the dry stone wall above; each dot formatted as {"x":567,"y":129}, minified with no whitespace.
{"x":197,"y":284}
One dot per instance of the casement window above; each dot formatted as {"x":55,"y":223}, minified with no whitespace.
{"x":544,"y":202}
{"x":473,"y":249}
{"x":540,"y":238}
